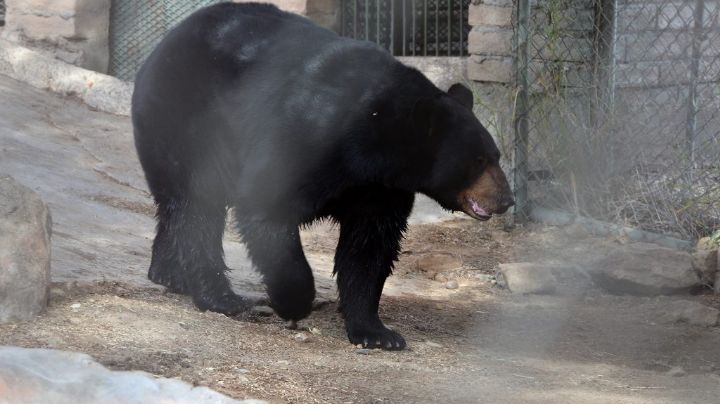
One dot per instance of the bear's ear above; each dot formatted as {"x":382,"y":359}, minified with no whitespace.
{"x":462,"y":94}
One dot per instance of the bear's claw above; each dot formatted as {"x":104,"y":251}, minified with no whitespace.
{"x":229,"y":304}
{"x":383,"y":338}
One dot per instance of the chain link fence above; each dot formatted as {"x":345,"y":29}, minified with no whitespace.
{"x":136,"y":27}
{"x":2,"y":13}
{"x":618,"y":111}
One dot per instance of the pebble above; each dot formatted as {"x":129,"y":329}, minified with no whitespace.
{"x":433,"y":344}
{"x":75,"y":306}
{"x":362,"y":351}
{"x":301,"y":337}
{"x":183,"y":325}
{"x":74,"y":320}
{"x":676,"y":371}
{"x":451,"y":285}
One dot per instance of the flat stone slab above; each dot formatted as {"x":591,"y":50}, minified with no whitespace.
{"x":686,"y":311}
{"x":24,"y":251}
{"x":40,"y":376}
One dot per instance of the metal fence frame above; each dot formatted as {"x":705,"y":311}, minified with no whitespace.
{"x":409,"y":27}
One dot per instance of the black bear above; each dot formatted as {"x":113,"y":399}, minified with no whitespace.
{"x":250,"y":107}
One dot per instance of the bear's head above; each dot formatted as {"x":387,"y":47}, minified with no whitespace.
{"x":465,"y":173}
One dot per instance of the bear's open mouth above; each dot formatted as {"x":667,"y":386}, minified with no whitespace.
{"x":474,"y":210}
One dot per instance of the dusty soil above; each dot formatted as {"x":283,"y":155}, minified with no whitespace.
{"x":473,"y":343}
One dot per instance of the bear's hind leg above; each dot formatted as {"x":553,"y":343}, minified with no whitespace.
{"x":165,"y":266}
{"x":372,"y":223}
{"x":188,"y":255}
{"x":277,"y":253}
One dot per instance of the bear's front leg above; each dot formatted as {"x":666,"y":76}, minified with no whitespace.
{"x":276,"y":251}
{"x":372,"y":223}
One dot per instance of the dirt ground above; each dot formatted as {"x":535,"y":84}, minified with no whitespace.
{"x":474,"y":343}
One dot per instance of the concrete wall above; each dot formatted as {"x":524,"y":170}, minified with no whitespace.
{"x":75,"y":31}
{"x":325,"y":13}
{"x":293,"y":6}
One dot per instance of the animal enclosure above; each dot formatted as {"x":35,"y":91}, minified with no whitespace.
{"x":618,"y":111}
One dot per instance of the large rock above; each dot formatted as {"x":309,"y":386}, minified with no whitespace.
{"x":527,"y":278}
{"x":24,"y":251}
{"x":705,"y":260}
{"x":38,"y":376}
{"x":645,"y":270}
{"x":99,"y":91}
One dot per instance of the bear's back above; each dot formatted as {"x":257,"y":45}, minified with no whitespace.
{"x":256,"y":96}
{"x":254,"y":60}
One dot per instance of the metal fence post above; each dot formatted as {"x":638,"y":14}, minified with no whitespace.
{"x":691,"y":122}
{"x":522,"y":104}
{"x":2,"y":13}
{"x":605,"y":39}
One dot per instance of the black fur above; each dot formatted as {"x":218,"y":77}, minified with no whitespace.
{"x":246,"y":106}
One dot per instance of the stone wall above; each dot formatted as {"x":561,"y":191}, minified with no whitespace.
{"x":325,"y":13}
{"x":75,"y":31}
{"x":490,"y":43}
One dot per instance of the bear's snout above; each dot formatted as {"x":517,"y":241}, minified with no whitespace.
{"x":489,"y":194}
{"x":505,"y":203}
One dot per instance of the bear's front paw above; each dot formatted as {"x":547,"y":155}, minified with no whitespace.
{"x":229,"y":304}
{"x":376,"y":337}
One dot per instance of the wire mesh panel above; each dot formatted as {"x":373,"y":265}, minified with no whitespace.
{"x":621,"y":111}
{"x":136,"y":27}
{"x":409,"y":27}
